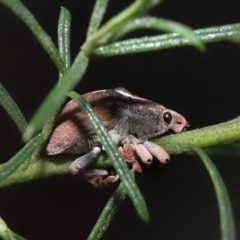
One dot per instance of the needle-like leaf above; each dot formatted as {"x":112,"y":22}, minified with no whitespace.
{"x":224,"y":205}
{"x":64,"y":30}
{"x":108,"y":213}
{"x":162,"y":25}
{"x":8,"y":234}
{"x":16,"y":161}
{"x":165,"y":41}
{"x":12,"y":109}
{"x":57,"y":96}
{"x":97,"y":16}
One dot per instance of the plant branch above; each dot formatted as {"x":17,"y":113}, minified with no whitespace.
{"x":215,"y":135}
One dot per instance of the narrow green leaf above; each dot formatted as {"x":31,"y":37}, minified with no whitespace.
{"x":120,"y":167}
{"x":108,"y":213}
{"x":16,"y":161}
{"x":146,"y":44}
{"x":97,"y":16}
{"x":25,"y":15}
{"x":12,"y":109}
{"x":224,"y":205}
{"x":64,"y":30}
{"x":163,"y":25}
{"x":6,"y":233}
{"x":57,"y":96}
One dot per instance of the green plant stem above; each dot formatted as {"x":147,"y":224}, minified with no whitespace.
{"x":43,"y":168}
{"x":224,"y":205}
{"x":12,"y":109}
{"x":25,"y":15}
{"x":216,"y":135}
{"x":164,"y":41}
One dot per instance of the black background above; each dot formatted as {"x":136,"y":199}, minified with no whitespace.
{"x":204,"y":87}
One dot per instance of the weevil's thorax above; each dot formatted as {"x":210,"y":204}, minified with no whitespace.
{"x":144,"y":119}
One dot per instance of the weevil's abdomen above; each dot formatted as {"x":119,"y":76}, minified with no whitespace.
{"x":73,"y":130}
{"x":64,"y":144}
{"x":71,"y":127}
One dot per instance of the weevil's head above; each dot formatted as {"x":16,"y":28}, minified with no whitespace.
{"x":173,"y":120}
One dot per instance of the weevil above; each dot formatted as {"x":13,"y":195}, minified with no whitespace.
{"x":130,"y":120}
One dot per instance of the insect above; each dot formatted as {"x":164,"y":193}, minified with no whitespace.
{"x":130,"y":120}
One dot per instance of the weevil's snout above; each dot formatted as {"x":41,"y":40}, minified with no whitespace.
{"x":175,"y":121}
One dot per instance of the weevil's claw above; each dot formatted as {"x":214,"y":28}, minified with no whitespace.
{"x":99,"y":177}
{"x":109,"y":180}
{"x":137,"y":167}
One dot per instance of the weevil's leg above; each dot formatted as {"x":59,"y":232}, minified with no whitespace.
{"x":157,"y":152}
{"x":137,"y":167}
{"x":82,"y":162}
{"x":144,"y":154}
{"x":99,"y":177}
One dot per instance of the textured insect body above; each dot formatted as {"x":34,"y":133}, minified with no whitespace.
{"x":128,"y":119}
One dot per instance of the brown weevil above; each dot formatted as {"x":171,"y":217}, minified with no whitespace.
{"x":128,"y":119}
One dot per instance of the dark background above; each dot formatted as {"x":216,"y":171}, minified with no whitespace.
{"x":204,"y":87}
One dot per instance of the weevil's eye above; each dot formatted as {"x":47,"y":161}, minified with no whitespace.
{"x":167,"y":117}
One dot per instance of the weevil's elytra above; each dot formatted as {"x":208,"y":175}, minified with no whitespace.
{"x":127,"y":118}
